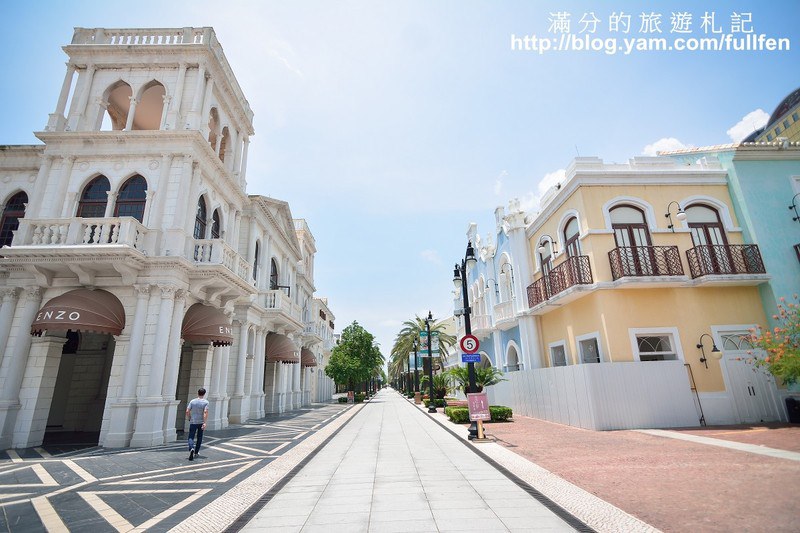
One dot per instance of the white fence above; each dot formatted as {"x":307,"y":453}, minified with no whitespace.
{"x":602,"y":396}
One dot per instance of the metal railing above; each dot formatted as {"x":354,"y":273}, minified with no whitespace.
{"x":711,"y":259}
{"x":645,"y":261}
{"x":575,"y":270}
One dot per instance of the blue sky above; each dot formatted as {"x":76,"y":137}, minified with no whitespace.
{"x":390,"y":125}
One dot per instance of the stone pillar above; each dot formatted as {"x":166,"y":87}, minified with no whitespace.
{"x":226,"y":358}
{"x":257,"y":389}
{"x":215,"y":395}
{"x":7,"y":309}
{"x":85,"y":80}
{"x":206,"y":108}
{"x":117,"y":424}
{"x":164,"y":108}
{"x":131,"y":114}
{"x":174,"y":347}
{"x":297,"y":391}
{"x":271,"y":371}
{"x":150,"y":408}
{"x":18,"y":360}
{"x":197,"y":102}
{"x":66,"y":172}
{"x":157,"y":212}
{"x":240,"y":401}
{"x":57,"y":120}
{"x":37,"y":393}
{"x":34,"y":209}
{"x":243,"y":171}
{"x":173,"y":120}
{"x":112,"y":200}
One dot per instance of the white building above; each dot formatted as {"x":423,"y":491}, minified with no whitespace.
{"x":136,"y":268}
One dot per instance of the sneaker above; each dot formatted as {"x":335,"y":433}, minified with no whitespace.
{"x":191,"y":455}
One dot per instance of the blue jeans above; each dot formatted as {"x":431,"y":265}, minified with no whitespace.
{"x":195,"y":428}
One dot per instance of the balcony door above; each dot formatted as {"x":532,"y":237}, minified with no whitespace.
{"x":633,"y":239}
{"x":709,"y":235}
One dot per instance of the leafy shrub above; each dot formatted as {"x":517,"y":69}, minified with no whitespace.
{"x":359,"y":397}
{"x":457,"y":415}
{"x":342,"y":399}
{"x":439,"y":403}
{"x":500,"y":413}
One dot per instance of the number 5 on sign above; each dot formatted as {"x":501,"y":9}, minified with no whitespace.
{"x":469,"y":344}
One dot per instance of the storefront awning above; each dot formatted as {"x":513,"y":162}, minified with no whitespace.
{"x":206,"y":325}
{"x":281,"y":349}
{"x":307,"y":358}
{"x":96,"y":311}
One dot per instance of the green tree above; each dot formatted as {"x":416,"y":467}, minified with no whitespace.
{"x":356,"y":358}
{"x":404,"y":343}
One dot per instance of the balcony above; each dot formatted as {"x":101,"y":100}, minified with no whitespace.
{"x":218,"y":252}
{"x":645,"y":261}
{"x":481,"y":325}
{"x":504,"y":311}
{"x":99,"y":232}
{"x":574,"y":271}
{"x":724,"y":259}
{"x":281,"y":308}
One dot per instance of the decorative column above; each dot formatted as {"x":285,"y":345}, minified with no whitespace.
{"x":131,"y":113}
{"x":243,"y":171}
{"x":7,"y":309}
{"x":35,"y":200}
{"x":37,"y":394}
{"x":173,"y":120}
{"x":150,"y":409}
{"x":259,"y":361}
{"x":63,"y":183}
{"x":112,"y":201}
{"x":239,"y":401}
{"x":174,"y":346}
{"x":206,"y":108}
{"x":226,"y":358}
{"x":200,"y":372}
{"x":123,"y":408}
{"x":85,"y":80}
{"x":157,"y":214}
{"x":164,"y":108}
{"x":197,"y":102}
{"x":15,"y":364}
{"x":57,"y":120}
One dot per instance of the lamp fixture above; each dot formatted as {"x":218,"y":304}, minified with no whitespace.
{"x":796,"y":216}
{"x":715,"y":353}
{"x":680,"y":215}
{"x":470,"y":255}
{"x":542,"y":248}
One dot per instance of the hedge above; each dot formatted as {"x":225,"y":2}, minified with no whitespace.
{"x":342,"y":399}
{"x":439,"y":402}
{"x":460,"y":415}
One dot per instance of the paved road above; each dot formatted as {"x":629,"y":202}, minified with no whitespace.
{"x":393,"y":468}
{"x":101,"y":490}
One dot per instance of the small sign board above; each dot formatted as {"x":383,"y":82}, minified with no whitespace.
{"x":470,"y":358}
{"x":478,"y":405}
{"x":469,"y":344}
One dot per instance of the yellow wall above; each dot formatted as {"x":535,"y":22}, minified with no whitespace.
{"x":612,"y":312}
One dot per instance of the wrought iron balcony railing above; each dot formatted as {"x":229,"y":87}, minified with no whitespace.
{"x":639,"y":261}
{"x":718,"y":259}
{"x":575,"y":270}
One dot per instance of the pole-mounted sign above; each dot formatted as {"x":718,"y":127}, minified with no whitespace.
{"x":469,"y":344}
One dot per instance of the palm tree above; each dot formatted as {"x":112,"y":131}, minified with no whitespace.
{"x":404,"y":342}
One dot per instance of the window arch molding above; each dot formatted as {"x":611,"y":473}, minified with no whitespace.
{"x":720,"y":207}
{"x":200,"y":217}
{"x":564,"y":220}
{"x":509,"y":346}
{"x":646,"y":208}
{"x":91,"y":206}
{"x":134,"y":203}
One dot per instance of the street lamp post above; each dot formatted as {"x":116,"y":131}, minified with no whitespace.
{"x":416,"y":367}
{"x":432,"y":402}
{"x":460,"y":282}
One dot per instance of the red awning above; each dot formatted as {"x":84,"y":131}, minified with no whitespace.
{"x":307,"y":358}
{"x":96,"y":311}
{"x":281,"y":349}
{"x":206,"y":325}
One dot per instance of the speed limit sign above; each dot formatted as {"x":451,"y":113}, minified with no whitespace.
{"x":469,"y":344}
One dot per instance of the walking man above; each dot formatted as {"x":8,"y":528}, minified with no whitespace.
{"x":197,"y":413}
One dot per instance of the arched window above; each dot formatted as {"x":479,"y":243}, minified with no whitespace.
{"x":512,"y":359}
{"x":14,"y":210}
{"x":255,"y":262}
{"x":118,"y":104}
{"x":273,"y":275}
{"x":132,"y":198}
{"x":633,"y":242}
{"x":200,"y":219}
{"x":150,"y":107}
{"x":215,"y":224}
{"x":94,"y":198}
{"x":571,"y":233}
{"x":708,"y":236}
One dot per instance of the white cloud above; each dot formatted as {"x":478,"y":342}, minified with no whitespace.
{"x":749,"y":123}
{"x":431,"y":256}
{"x":530,"y":201}
{"x":664,"y":144}
{"x":498,"y":183}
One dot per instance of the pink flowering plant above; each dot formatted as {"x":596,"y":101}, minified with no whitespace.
{"x":781,"y":345}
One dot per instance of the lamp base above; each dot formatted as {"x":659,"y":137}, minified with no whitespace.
{"x":473,"y":431}
{"x":432,"y":409}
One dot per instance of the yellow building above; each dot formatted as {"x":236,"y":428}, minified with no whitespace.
{"x":644,"y":263}
{"x":784,"y":123}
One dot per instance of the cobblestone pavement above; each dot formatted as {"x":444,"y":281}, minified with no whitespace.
{"x":136,"y":489}
{"x":733,"y":478}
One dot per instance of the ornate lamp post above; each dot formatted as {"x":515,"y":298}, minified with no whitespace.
{"x":416,"y":367}
{"x":432,"y":402}
{"x":460,"y":282}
